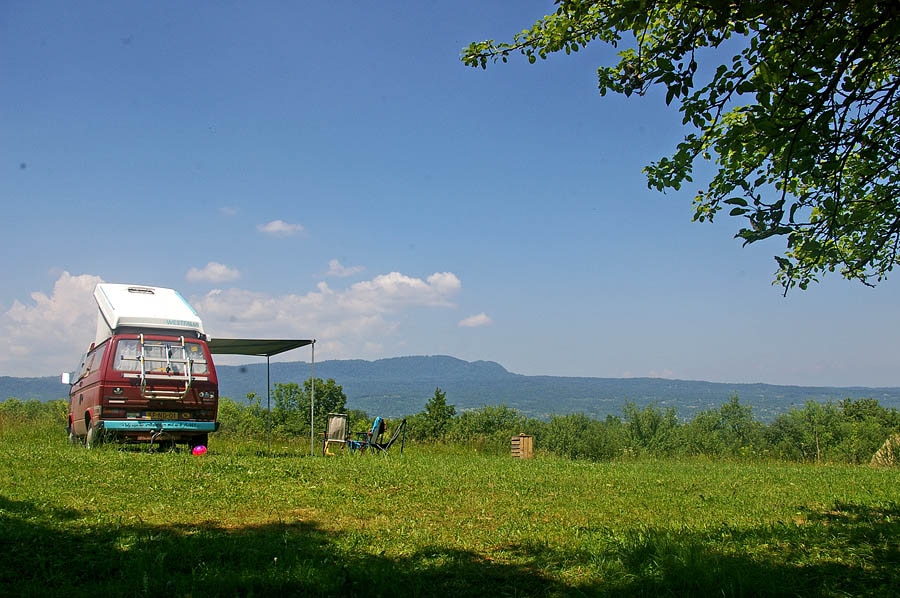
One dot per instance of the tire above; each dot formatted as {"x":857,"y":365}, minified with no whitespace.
{"x":165,"y":446}
{"x":94,"y":437}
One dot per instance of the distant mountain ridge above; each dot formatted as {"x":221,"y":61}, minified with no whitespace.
{"x":400,"y":386}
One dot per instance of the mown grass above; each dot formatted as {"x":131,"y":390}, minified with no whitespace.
{"x":434,"y":521}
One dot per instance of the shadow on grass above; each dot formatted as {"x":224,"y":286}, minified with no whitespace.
{"x":849,"y":550}
{"x":49,"y":552}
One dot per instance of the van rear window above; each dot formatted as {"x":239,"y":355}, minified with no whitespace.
{"x":160,"y":356}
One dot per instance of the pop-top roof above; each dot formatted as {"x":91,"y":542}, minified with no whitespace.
{"x":138,"y":306}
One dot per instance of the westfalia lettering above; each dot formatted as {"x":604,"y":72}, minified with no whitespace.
{"x":182,"y":323}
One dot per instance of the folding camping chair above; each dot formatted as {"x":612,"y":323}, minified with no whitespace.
{"x":336,"y":425}
{"x":384,"y":447}
{"x":366,"y":439}
{"x":372,"y":438}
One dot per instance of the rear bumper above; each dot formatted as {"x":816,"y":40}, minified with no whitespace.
{"x":157,"y":425}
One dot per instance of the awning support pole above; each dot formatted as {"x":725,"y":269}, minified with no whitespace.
{"x":312,"y":401}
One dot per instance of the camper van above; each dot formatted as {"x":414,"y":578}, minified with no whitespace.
{"x":148,"y":376}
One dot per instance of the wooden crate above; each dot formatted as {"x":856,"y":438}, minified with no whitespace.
{"x":522,"y":446}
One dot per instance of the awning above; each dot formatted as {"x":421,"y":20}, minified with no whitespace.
{"x":267,"y":347}
{"x":262,"y":347}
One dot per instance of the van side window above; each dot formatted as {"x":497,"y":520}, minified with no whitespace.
{"x":92,"y":361}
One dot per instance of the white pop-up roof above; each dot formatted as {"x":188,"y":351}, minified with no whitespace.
{"x":137,"y":306}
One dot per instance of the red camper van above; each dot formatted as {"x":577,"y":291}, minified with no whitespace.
{"x":148,"y":376}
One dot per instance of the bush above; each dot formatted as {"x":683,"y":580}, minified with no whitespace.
{"x":242,"y":420}
{"x":489,"y":428}
{"x":652,"y":431}
{"x":727,"y":431}
{"x":13,"y":411}
{"x":577,"y":436}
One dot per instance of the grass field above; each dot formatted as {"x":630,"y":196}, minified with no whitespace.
{"x":434,"y":521}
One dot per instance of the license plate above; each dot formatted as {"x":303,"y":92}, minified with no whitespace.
{"x":162,"y":415}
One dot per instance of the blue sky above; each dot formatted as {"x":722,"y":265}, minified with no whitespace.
{"x":333,"y":171}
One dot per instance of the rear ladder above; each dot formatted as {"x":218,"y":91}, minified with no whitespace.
{"x":171,"y":369}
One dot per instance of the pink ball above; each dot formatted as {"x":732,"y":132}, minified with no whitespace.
{"x":199,"y":450}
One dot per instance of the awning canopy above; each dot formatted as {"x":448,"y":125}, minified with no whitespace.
{"x":267,"y":347}
{"x":262,"y":347}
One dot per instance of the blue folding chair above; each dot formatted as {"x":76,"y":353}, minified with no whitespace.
{"x":383,"y":447}
{"x":368,"y":439}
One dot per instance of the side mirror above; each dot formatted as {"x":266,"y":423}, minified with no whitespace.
{"x":66,"y":378}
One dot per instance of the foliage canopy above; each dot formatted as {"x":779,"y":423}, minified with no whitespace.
{"x":801,"y":122}
{"x":291,"y":413}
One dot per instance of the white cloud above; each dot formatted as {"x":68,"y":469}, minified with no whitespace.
{"x":446,"y":282}
{"x":228,"y":211}
{"x":476,"y":321}
{"x":280,"y":228}
{"x":663,"y":373}
{"x":213,"y":272}
{"x":361,"y":307}
{"x":386,"y":292}
{"x":352,"y":322}
{"x":336,"y":269}
{"x":49,"y":333}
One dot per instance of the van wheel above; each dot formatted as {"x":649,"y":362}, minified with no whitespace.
{"x":165,"y":446}
{"x":202,"y":440}
{"x":94,"y":436}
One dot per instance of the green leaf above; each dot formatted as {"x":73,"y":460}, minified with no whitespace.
{"x":670,"y":93}
{"x":806,"y":111}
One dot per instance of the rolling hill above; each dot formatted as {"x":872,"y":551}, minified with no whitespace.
{"x":402,"y":385}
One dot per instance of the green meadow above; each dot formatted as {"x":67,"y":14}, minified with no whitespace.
{"x":248,"y":519}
